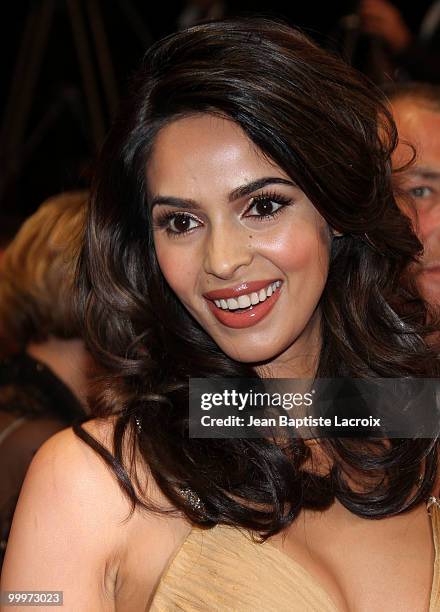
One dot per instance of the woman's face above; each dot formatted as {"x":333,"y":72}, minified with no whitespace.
{"x":239,"y":243}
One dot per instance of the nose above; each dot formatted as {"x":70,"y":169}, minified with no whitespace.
{"x":226,"y":250}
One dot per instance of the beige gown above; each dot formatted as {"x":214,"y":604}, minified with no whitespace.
{"x":223,"y":570}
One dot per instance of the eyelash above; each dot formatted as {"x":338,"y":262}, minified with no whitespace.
{"x":277,"y":198}
{"x":163,"y":220}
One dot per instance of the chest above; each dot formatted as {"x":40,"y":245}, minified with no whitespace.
{"x":366,"y":565}
{"x":362,"y":567}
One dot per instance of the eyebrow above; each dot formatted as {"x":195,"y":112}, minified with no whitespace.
{"x":236,"y":194}
{"x":424,"y":172}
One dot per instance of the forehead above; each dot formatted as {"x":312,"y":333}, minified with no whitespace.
{"x":203,"y":151}
{"x":420,"y":126}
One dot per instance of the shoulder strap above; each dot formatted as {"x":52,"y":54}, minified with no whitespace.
{"x":10,"y":428}
{"x":434,"y":511}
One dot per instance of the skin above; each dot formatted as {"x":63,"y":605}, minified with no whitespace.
{"x":228,"y":244}
{"x":419,"y":125}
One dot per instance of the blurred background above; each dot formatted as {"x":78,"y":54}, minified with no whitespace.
{"x":65,"y":65}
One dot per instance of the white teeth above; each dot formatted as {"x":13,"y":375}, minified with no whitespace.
{"x":232,"y":304}
{"x":252,"y":299}
{"x":244,"y":301}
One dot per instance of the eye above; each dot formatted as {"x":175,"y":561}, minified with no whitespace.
{"x":176,"y":224}
{"x":267,"y":205}
{"x":421,"y":191}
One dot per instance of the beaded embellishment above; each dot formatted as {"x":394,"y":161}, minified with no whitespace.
{"x":432,"y":501}
{"x":192,"y":498}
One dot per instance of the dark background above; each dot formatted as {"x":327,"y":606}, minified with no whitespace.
{"x":58,"y":144}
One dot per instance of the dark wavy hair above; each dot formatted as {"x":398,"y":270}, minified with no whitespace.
{"x":318,"y":120}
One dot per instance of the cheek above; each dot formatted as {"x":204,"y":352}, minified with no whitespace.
{"x":429,"y":222}
{"x":177,"y":266}
{"x":422,"y":224}
{"x":304,"y":250}
{"x":422,"y":220}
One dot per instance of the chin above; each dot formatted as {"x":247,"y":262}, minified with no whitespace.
{"x":257,"y":355}
{"x":251,"y":358}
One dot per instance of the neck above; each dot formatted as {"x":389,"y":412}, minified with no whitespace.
{"x":68,"y":359}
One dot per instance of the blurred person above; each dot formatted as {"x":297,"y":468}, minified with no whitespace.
{"x":416,"y":110}
{"x":43,"y":362}
{"x":414,"y":49}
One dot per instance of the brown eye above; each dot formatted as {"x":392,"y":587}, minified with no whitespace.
{"x":180,"y":224}
{"x":266,"y":206}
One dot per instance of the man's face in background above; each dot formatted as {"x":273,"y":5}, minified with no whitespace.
{"x":419,"y":124}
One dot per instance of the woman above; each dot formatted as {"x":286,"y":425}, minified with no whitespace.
{"x":43,"y":361}
{"x":246,"y":159}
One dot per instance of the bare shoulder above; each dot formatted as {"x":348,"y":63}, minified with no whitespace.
{"x":149,"y":540}
{"x":72,"y":529}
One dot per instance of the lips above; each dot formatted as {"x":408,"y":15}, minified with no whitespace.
{"x":243,"y":318}
{"x":242,"y":289}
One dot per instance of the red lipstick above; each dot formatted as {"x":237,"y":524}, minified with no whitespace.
{"x":243,"y":318}
{"x":241,"y":289}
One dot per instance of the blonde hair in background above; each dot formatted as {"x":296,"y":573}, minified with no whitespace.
{"x":37,"y":274}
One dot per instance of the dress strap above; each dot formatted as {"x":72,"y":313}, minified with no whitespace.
{"x":433,"y":507}
{"x":10,"y":428}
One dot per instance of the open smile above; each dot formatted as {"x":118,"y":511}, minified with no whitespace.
{"x":246,"y":305}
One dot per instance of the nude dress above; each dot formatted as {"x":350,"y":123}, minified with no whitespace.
{"x":223,"y":570}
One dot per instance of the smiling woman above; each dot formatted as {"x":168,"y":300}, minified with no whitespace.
{"x":243,"y":224}
{"x":243,"y":246}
